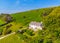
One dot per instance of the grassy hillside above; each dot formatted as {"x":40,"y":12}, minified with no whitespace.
{"x":33,"y":15}
{"x":1,"y":22}
{"x":50,"y":34}
{"x":53,"y":19}
{"x":12,"y":39}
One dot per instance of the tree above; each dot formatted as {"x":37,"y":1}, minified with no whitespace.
{"x":7,"y":18}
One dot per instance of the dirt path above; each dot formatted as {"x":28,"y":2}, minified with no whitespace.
{"x":6,"y":35}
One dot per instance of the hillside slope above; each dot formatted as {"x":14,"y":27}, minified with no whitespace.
{"x":53,"y":19}
{"x":50,"y":33}
{"x":33,"y":15}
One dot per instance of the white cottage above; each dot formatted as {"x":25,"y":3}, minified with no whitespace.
{"x":35,"y":26}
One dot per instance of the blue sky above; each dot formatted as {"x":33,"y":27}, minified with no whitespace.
{"x":13,"y":6}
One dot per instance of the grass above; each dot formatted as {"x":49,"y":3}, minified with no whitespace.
{"x":34,"y":15}
{"x":12,"y":39}
{"x":1,"y":22}
{"x":22,"y":19}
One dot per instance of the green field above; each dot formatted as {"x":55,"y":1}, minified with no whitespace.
{"x":33,"y":15}
{"x":50,"y":33}
{"x":12,"y":39}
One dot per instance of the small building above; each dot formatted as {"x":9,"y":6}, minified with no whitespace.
{"x":36,"y":25}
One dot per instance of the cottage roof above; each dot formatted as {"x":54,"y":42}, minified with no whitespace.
{"x":36,"y":23}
